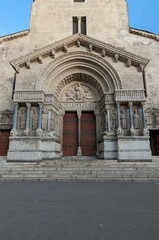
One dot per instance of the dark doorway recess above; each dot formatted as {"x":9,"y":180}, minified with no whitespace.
{"x":4,"y":142}
{"x":154,"y":141}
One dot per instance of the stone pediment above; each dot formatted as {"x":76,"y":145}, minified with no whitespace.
{"x":79,"y":40}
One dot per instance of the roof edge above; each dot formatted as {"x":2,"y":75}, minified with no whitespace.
{"x":144,"y":33}
{"x":12,"y":36}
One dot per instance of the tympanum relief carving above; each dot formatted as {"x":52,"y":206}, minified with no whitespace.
{"x":79,"y":93}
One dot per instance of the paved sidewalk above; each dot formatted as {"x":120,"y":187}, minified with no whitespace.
{"x":79,"y":211}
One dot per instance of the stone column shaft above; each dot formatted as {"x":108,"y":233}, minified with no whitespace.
{"x":79,"y":151}
{"x":131,"y":116}
{"x":49,"y":120}
{"x":40,"y":117}
{"x":118,"y":116}
{"x":143,"y":116}
{"x":108,"y":116}
{"x":132,"y":130}
{"x":15,"y":117}
{"x":28,"y":116}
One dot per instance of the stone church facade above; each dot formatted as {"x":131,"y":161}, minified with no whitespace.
{"x":79,"y":82}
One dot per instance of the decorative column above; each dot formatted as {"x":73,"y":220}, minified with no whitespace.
{"x":49,"y":120}
{"x":39,"y":129}
{"x":15,"y":118}
{"x":79,"y":151}
{"x":61,"y":117}
{"x":79,"y":24}
{"x":98,"y":128}
{"x":145,"y":130}
{"x":119,"y":130}
{"x":27,"y":128}
{"x":108,"y":116}
{"x":132,"y":131}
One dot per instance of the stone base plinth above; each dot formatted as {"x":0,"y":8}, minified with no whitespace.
{"x":134,"y":148}
{"x":33,"y":149}
{"x":107,"y":148}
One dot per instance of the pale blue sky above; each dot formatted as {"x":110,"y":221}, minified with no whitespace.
{"x":15,"y":14}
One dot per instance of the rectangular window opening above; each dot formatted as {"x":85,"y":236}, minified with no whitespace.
{"x":79,"y":25}
{"x":79,"y":0}
{"x":83,"y":25}
{"x":75,"y":25}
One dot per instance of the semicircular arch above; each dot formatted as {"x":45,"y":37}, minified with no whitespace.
{"x":89,"y":64}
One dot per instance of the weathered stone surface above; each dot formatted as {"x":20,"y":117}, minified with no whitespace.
{"x":55,"y":71}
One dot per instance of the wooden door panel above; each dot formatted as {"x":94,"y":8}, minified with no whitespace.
{"x":4,"y":142}
{"x":88,"y":134}
{"x":70,"y":134}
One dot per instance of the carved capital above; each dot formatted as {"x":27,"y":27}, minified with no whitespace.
{"x":40,"y":105}
{"x":118,"y":104}
{"x":28,"y":105}
{"x":16,"y":105}
{"x":79,"y":113}
{"x":130,"y":104}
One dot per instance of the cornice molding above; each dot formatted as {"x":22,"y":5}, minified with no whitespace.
{"x":144,"y":34}
{"x":91,"y":44}
{"x":14,"y":36}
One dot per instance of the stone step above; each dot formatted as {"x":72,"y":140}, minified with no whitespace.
{"x":93,"y":170}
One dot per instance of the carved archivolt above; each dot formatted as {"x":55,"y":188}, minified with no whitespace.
{"x":103,"y":72}
{"x":80,"y":79}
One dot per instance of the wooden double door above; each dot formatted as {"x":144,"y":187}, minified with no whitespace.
{"x":79,"y":133}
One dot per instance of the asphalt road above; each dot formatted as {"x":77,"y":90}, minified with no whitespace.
{"x":79,"y":211}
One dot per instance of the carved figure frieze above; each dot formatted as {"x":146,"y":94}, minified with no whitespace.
{"x":136,"y":120}
{"x":22,"y":118}
{"x":113,"y":120}
{"x":28,"y":96}
{"x":6,"y":117}
{"x":34,"y":118}
{"x":123,"y":119}
{"x":129,"y":95}
{"x":153,"y":119}
{"x":79,"y":93}
{"x":45,"y":120}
